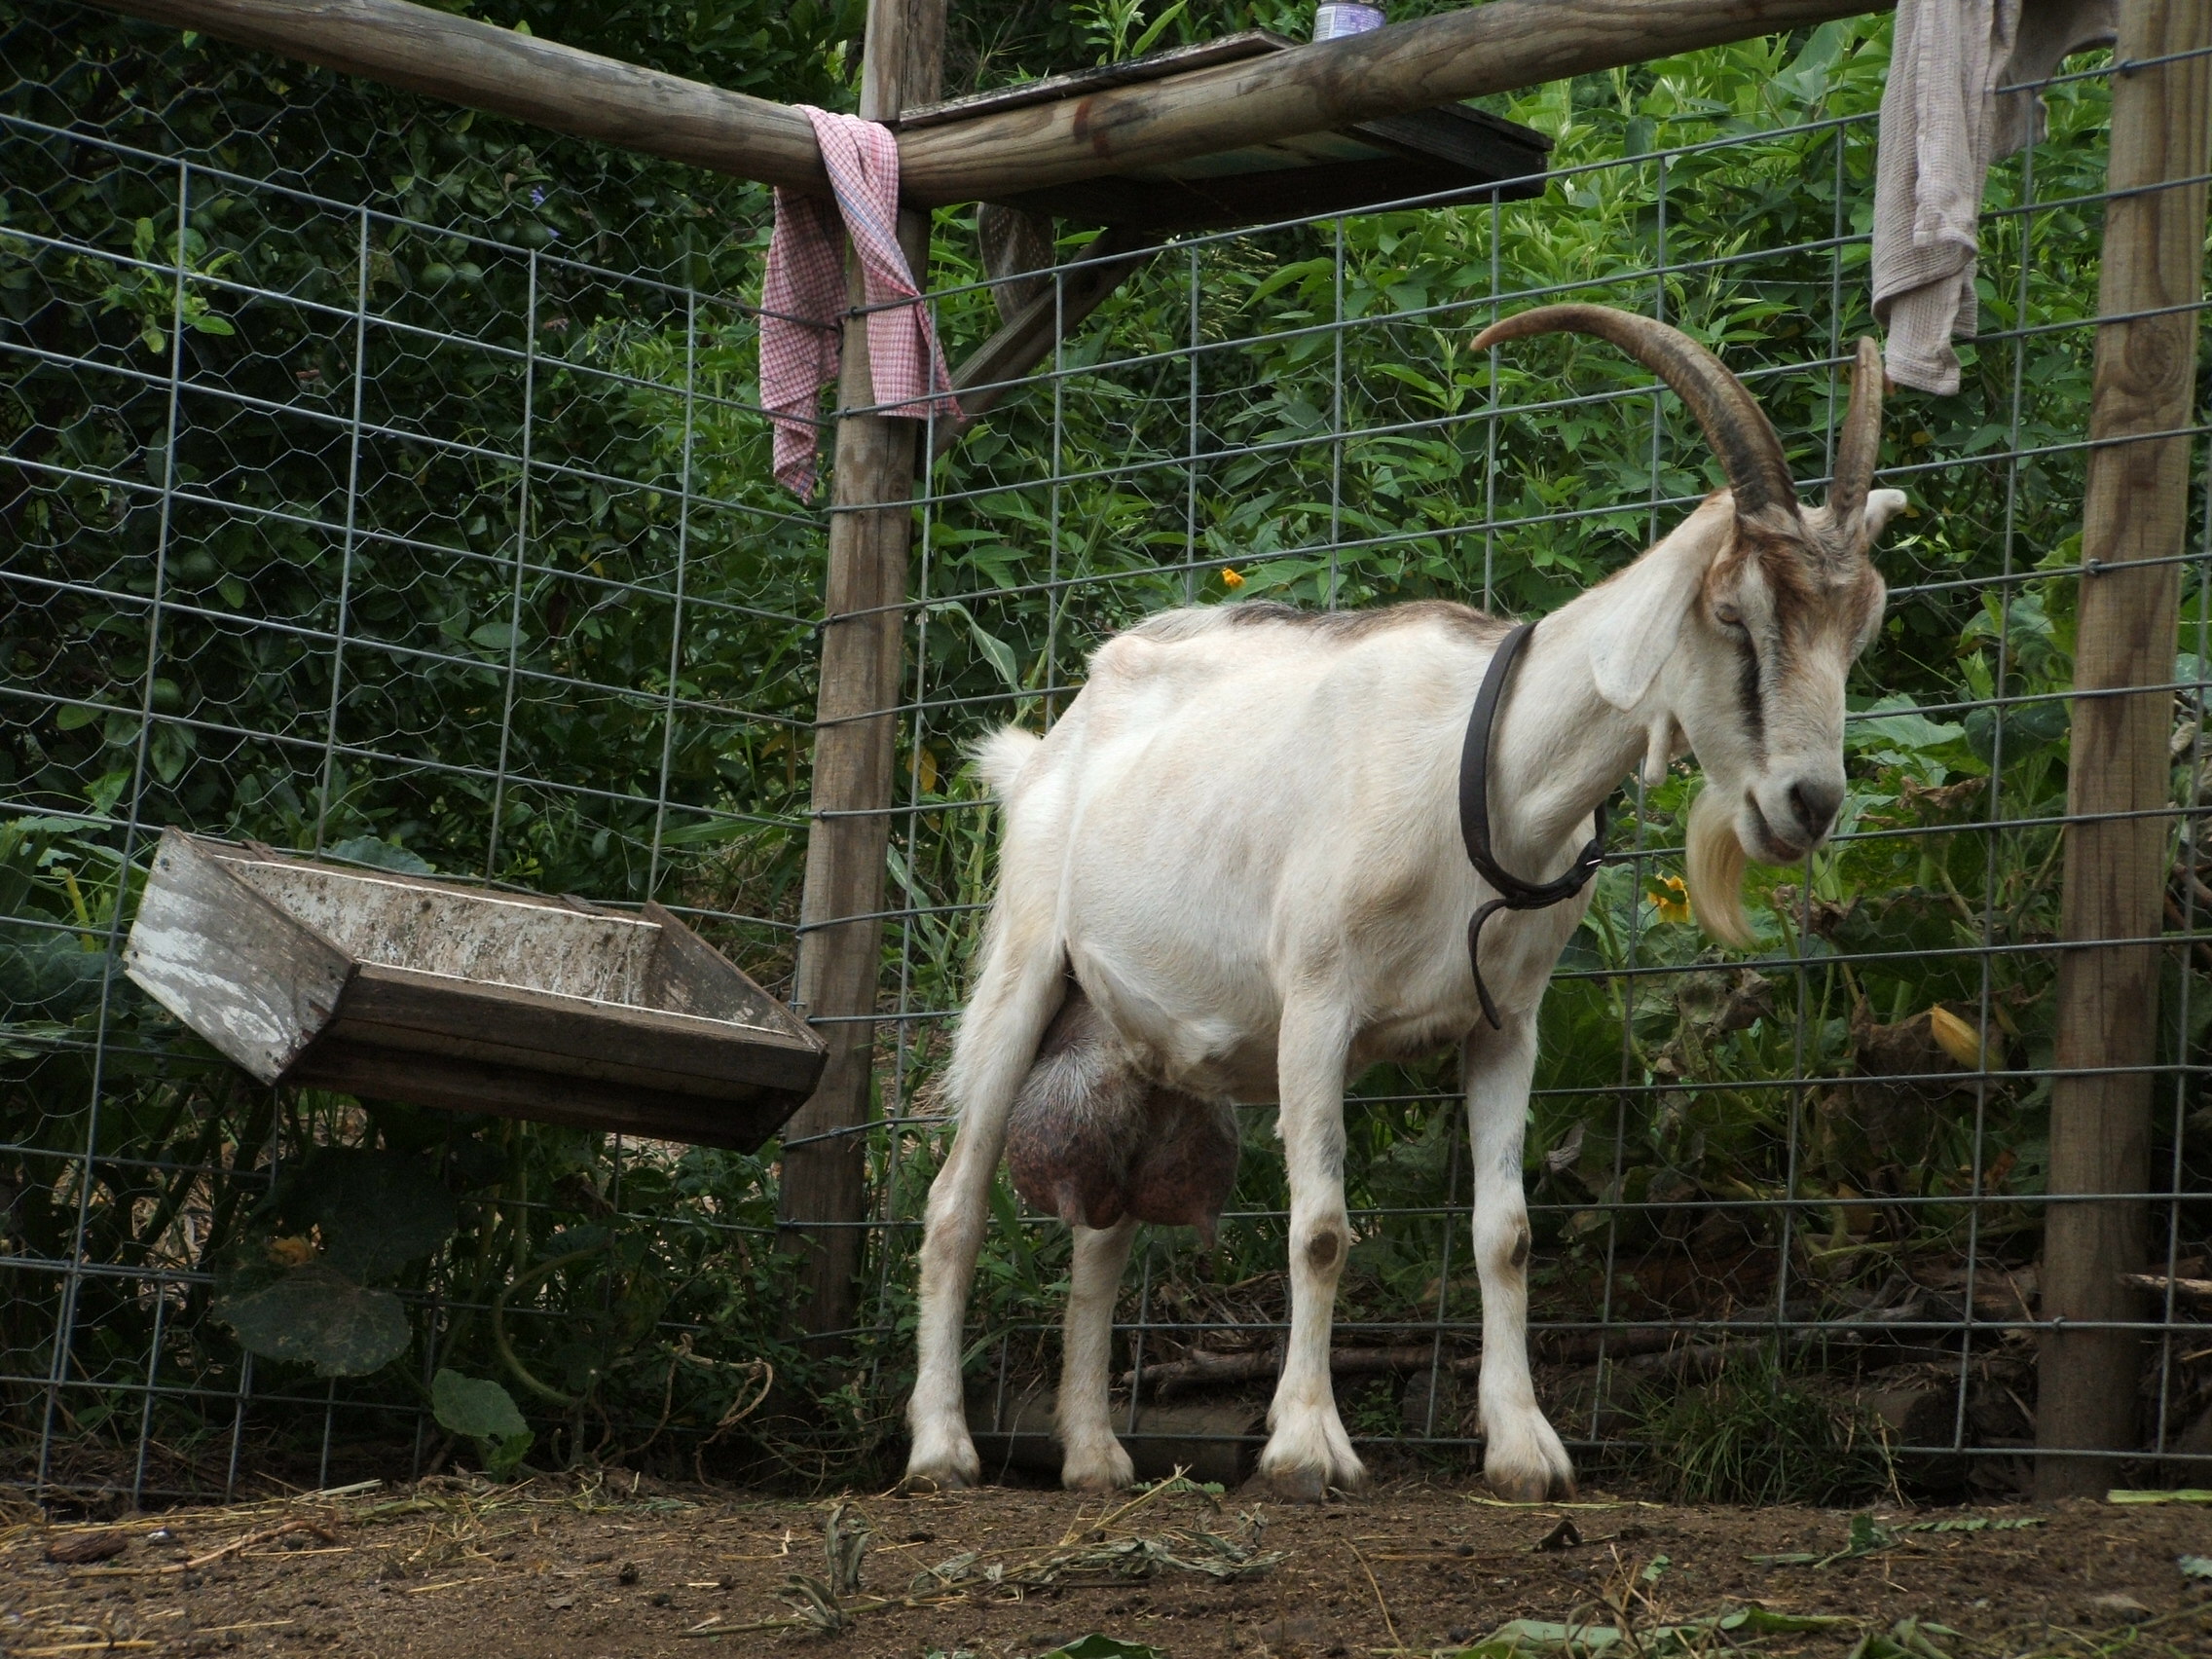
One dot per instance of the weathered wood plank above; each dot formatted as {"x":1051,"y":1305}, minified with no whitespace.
{"x":539,"y":81}
{"x":2136,"y":515}
{"x":255,"y":982}
{"x":519,"y":939}
{"x":1429,"y":152}
{"x":430,"y":1045}
{"x":1500,"y":47}
{"x":1095,"y":78}
{"x":686,"y":975}
{"x":456,"y":1017}
{"x":459,"y":1083}
{"x":1328,"y":84}
{"x":303,"y":972}
{"x":824,"y":1190}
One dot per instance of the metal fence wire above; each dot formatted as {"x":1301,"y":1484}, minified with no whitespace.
{"x":423,"y":517}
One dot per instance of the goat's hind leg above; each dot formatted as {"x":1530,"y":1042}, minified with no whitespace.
{"x":1092,"y":1458}
{"x":1523,"y":1458}
{"x":1015,"y":996}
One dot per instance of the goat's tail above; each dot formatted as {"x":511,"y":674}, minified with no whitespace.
{"x":1002,"y":756}
{"x":1715,"y":867}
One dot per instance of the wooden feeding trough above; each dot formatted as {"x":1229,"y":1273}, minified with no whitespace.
{"x":1429,"y":152}
{"x":401,"y":987}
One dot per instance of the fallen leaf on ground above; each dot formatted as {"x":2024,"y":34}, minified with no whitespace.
{"x":1695,"y":1636}
{"x":77,"y":1548}
{"x":1098,"y":1646}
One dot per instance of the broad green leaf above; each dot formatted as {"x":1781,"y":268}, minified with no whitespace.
{"x":486,"y":1413}
{"x":995,"y":650}
{"x":1895,"y":721}
{"x":315,"y":1316}
{"x":471,"y":1406}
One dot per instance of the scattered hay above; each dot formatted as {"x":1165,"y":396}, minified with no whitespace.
{"x":1107,"y":1550}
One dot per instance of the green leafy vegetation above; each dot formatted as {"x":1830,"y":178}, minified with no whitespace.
{"x":485,"y":1414}
{"x":1757,"y":1435}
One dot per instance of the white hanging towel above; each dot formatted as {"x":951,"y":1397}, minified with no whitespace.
{"x":1960,"y":92}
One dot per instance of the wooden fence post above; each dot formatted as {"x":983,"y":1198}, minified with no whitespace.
{"x":823,"y":1196}
{"x":2136,"y":512}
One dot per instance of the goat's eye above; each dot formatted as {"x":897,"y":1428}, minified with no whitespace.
{"x":1728,"y":617}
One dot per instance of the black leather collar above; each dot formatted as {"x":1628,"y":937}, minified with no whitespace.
{"x":1514,"y":894}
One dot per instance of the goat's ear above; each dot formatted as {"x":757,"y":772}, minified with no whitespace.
{"x":1882,"y":505}
{"x":1637,"y":628}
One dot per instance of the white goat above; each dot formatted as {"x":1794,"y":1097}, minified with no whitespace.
{"x":1242,"y":842}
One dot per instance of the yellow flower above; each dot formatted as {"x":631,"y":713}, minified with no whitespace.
{"x":1672,"y":899}
{"x":293,"y":1252}
{"x":1959,"y":1039}
{"x":1231,"y":579}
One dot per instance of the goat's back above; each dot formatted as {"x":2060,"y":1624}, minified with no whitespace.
{"x":1234,"y":794}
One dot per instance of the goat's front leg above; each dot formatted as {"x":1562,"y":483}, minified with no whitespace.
{"x":1522,"y":1457}
{"x":1308,"y":1451}
{"x":1092,"y":1458}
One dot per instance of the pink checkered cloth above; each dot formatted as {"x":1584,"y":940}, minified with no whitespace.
{"x":803,"y":298}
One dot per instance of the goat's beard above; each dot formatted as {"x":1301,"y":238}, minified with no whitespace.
{"x":1714,"y":869}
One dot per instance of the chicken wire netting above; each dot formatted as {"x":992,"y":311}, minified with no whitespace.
{"x":386,"y":483}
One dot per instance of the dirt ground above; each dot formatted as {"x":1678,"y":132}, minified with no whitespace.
{"x":460,"y":1567}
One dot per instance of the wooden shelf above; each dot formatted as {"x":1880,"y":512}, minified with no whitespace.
{"x":1448,"y":148}
{"x":403,"y":988}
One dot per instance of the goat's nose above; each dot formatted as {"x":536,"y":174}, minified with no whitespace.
{"x":1815,"y":802}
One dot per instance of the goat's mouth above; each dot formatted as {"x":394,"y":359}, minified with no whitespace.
{"x":1763,"y":843}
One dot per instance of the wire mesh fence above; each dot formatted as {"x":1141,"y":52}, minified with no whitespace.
{"x":1822,"y":1161}
{"x":382,"y":488}
{"x":382,"y":485}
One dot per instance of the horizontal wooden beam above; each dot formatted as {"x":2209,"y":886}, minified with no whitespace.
{"x":490,"y":68}
{"x":1501,"y":47}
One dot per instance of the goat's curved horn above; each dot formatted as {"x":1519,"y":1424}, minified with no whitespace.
{"x":1859,"y":447}
{"x":1734,"y":425}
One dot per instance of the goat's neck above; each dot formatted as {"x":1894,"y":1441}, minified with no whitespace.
{"x":1558,"y":750}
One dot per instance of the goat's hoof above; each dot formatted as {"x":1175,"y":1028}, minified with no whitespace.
{"x":1296,"y":1481}
{"x":1537,"y":1471}
{"x":1530,"y":1486}
{"x":1104,"y":1468}
{"x":1306,"y":1460}
{"x":951,"y":1469}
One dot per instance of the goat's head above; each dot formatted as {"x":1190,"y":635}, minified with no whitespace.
{"x":1739,"y":631}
